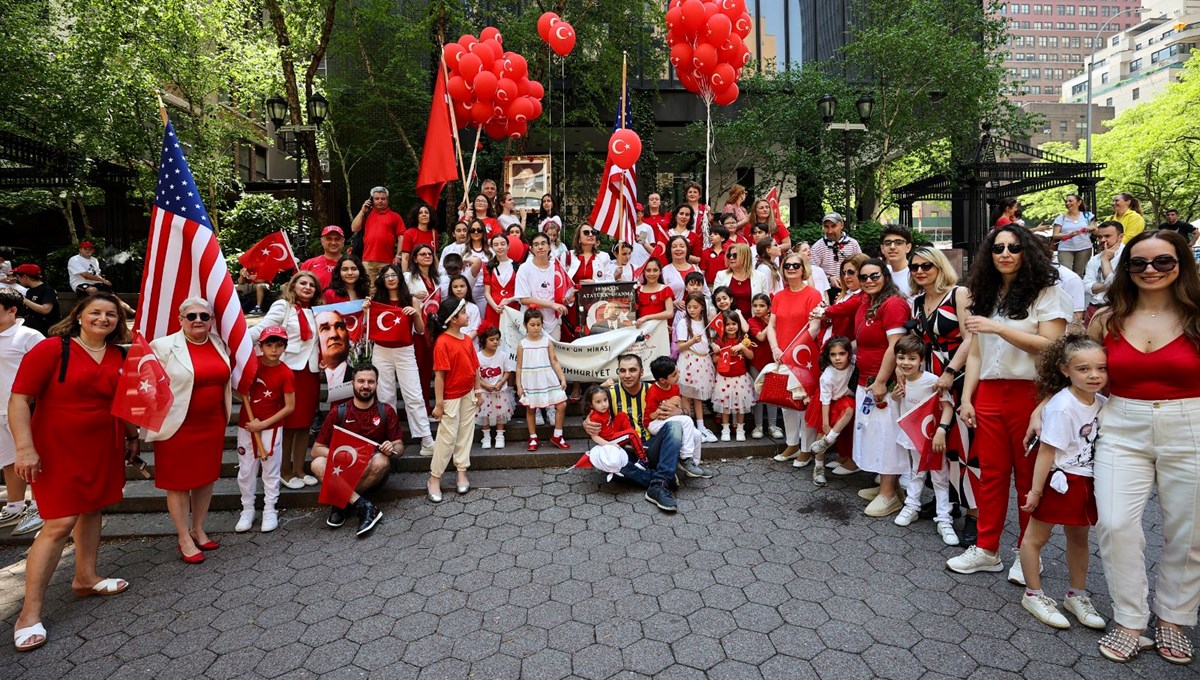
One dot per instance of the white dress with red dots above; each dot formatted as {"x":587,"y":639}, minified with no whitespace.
{"x":495,"y":408}
{"x":696,"y":372}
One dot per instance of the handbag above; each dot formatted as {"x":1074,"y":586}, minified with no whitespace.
{"x":772,"y":388}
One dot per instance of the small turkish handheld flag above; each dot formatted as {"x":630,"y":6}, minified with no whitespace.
{"x":920,"y":424}
{"x":563,"y":285}
{"x":432,"y":302}
{"x":268,"y":257}
{"x":144,"y":391}
{"x":388,"y":324}
{"x":801,"y":359}
{"x":348,"y":457}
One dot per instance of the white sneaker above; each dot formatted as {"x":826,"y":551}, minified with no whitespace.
{"x":538,"y":417}
{"x":1016,"y":575}
{"x":30,"y":522}
{"x":1081,"y":607}
{"x":975,"y":559}
{"x":270,"y":521}
{"x":294,"y":483}
{"x":245,"y":521}
{"x":426,"y":446}
{"x":775,"y":432}
{"x":739,"y":434}
{"x":906,"y":516}
{"x":309,"y":480}
{"x":756,"y":433}
{"x":946,"y":531}
{"x":486,"y":443}
{"x":725,"y":433}
{"x":707,"y":435}
{"x":1045,"y":610}
{"x":883,"y":506}
{"x":820,"y":446}
{"x":10,"y":517}
{"x":499,"y":439}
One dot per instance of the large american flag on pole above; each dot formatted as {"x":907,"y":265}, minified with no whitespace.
{"x":615,"y":210}
{"x":183,"y":260}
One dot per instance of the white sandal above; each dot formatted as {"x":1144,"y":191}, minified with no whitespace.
{"x":22,"y":636}
{"x":105,"y":587}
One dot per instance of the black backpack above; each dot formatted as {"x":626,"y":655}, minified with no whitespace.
{"x":66,"y":354}
{"x":379,"y":406}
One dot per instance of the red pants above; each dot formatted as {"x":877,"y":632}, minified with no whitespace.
{"x":423,"y":350}
{"x":1002,"y":410}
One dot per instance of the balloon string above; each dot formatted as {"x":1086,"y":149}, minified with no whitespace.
{"x":707,"y":158}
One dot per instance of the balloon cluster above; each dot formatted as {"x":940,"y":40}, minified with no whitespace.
{"x":558,"y":34}
{"x":490,"y":88}
{"x":708,"y":46}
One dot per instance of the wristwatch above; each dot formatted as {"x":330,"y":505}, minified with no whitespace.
{"x":953,"y":371}
{"x":945,"y":426}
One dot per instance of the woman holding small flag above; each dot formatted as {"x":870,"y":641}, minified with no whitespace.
{"x":499,"y":282}
{"x":187,"y":449}
{"x":394,"y":323}
{"x":539,"y":285}
{"x":422,"y":281}
{"x":790,"y":310}
{"x":73,"y":378}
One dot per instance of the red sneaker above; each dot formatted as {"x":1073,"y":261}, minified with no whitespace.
{"x":559,"y":442}
{"x":533,"y":444}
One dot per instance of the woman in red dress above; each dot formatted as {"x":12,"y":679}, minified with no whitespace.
{"x":422,"y":216}
{"x":656,"y":301}
{"x":790,"y":310}
{"x":187,"y":450}
{"x":658,"y":220}
{"x":499,"y":282}
{"x":73,"y":378}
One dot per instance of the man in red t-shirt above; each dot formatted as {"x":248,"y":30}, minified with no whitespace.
{"x":333,"y":240}
{"x":369,"y":418}
{"x":382,"y":231}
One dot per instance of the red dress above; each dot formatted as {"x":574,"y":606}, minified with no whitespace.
{"x":191,"y":458}
{"x":501,"y":290}
{"x":80,"y":443}
{"x":742,"y":294}
{"x":653,"y":303}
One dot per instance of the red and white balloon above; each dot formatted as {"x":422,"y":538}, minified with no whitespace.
{"x":490,"y":87}
{"x":558,"y":34}
{"x":708,"y":46}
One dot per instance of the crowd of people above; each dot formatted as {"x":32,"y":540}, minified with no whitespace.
{"x":1068,"y":388}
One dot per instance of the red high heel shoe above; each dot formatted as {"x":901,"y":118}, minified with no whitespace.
{"x":193,"y":559}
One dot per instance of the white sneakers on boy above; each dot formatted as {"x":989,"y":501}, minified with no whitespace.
{"x":1081,"y":607}
{"x":245,"y":521}
{"x":906,"y":516}
{"x":975,"y":559}
{"x":270,"y":521}
{"x":946,"y":531}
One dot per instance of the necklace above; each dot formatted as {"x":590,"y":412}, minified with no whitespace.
{"x":88,"y":347}
{"x":185,"y":337}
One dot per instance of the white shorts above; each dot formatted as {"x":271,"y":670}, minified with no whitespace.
{"x":8,"y":447}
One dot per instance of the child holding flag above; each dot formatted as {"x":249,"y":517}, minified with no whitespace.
{"x":456,"y":396}
{"x":271,"y":399}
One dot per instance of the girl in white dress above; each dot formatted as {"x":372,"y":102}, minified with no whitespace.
{"x":696,"y":371}
{"x":496,"y":407}
{"x":540,"y":381}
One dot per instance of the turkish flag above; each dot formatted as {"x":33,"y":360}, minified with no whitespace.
{"x":349,"y":454}
{"x":143,"y":391}
{"x":563,"y":285}
{"x":800,"y":356}
{"x":354,"y":325}
{"x":268,"y":257}
{"x":388,"y":324}
{"x":432,"y":302}
{"x":438,"y":164}
{"x":717,"y":326}
{"x":920,"y":424}
{"x":780,"y":228}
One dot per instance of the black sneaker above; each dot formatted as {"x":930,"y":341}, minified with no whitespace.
{"x":337,"y":516}
{"x":659,"y":495}
{"x":368,"y":517}
{"x":692,"y":469}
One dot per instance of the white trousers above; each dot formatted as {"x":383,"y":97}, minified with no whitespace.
{"x":249,"y":464}
{"x":456,"y":435}
{"x":398,"y":368}
{"x":1143,"y":443}
{"x":915,"y":484}
{"x":795,"y":431}
{"x":690,"y":439}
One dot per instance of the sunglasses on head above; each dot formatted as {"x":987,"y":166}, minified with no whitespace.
{"x":870,"y":277}
{"x":920,"y":266}
{"x":792,"y":265}
{"x":205,"y":316}
{"x":1161,"y":263}
{"x":1013,"y":248}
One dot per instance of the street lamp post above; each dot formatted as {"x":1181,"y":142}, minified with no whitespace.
{"x":277,"y":111}
{"x":827,"y":105}
{"x":1091,"y":62}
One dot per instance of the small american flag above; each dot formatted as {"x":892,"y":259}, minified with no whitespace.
{"x":183,"y":260}
{"x":615,"y":210}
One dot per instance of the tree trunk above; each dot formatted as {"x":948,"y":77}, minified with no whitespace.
{"x":67,"y":207}
{"x":87,"y":223}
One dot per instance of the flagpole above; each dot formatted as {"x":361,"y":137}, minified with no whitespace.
{"x":622,"y":232}
{"x":262,"y":452}
{"x":471,"y":170}
{"x":162,"y":108}
{"x":453,"y":120}
{"x":291,"y":252}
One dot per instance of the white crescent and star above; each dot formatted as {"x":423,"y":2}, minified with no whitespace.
{"x":333,"y":458}
{"x":925,"y":426}
{"x":282,"y":251}
{"x":379,"y":321}
{"x":615,"y":148}
{"x":563,"y":32}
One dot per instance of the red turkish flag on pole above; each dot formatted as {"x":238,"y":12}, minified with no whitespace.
{"x":268,"y":257}
{"x":143,"y":391}
{"x":800,"y":356}
{"x":437,"y":159}
{"x":717,"y":326}
{"x":354,"y":325}
{"x":920,"y":424}
{"x":349,"y":454}
{"x":389,"y":324}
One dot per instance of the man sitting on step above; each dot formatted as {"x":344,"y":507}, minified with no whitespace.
{"x":363,"y":415}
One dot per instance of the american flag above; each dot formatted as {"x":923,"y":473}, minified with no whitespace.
{"x":183,"y":260}
{"x":615,"y":210}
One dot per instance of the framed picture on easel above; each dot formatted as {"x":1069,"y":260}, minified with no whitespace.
{"x":528,"y":178}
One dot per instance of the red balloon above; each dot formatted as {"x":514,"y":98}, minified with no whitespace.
{"x":742,"y":25}
{"x":506,"y":91}
{"x":452,"y":52}
{"x":743,"y":55}
{"x":719,"y":28}
{"x":462,"y":114}
{"x":495,"y":130}
{"x":733,"y":8}
{"x":624,"y":148}
{"x":457,"y":87}
{"x":499,"y":111}
{"x":728,"y":50}
{"x":536,"y":90}
{"x":545,"y":22}
{"x":489,"y":33}
{"x":521,"y":110}
{"x":537,"y":108}
{"x":481,"y":112}
{"x":484,"y":53}
{"x":681,"y":53}
{"x":692,"y":13}
{"x":688,"y":81}
{"x":517,"y":130}
{"x":466,"y":41}
{"x":515,"y":66}
{"x":469,"y":65}
{"x":485,"y":86}
{"x":710,"y":8}
{"x":704,"y":58}
{"x":674,"y":18}
{"x":494,"y":47}
{"x":722,"y":77}
{"x":562,"y":39}
{"x":727,"y":96}
{"x":673,"y":39}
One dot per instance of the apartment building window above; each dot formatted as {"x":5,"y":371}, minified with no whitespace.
{"x":1053,"y":41}
{"x":1137,"y":93}
{"x":1076,"y":43}
{"x":1051,"y":89}
{"x":1035,"y":73}
{"x":1070,"y":10}
{"x":1078,"y":89}
{"x":1108,"y":101}
{"x":1103,"y":78}
{"x":1062,"y":126}
{"x":1070,"y":25}
{"x":1135,"y":65}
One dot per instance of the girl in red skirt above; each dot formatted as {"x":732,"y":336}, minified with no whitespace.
{"x":830,"y":414}
{"x":1074,"y":369}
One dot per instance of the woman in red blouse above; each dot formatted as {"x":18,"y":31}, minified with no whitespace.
{"x":791,"y":308}
{"x":349,"y":281}
{"x":656,"y":218}
{"x":422,"y":216}
{"x":683,"y":223}
{"x":838,"y":318}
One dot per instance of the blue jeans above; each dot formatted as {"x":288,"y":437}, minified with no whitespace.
{"x":662,"y":454}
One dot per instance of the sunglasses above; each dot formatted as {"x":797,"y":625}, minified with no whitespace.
{"x":587,"y":232}
{"x":1162,"y":263}
{"x":920,"y":266}
{"x":205,"y":316}
{"x":1014,"y":248}
{"x":476,"y":231}
{"x":792,"y":265}
{"x":870,"y":277}
{"x":731,"y":254}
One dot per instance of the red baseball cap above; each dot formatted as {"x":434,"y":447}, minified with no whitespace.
{"x":28,"y":270}
{"x":333,"y":229}
{"x":273,"y":332}
{"x":86,"y":244}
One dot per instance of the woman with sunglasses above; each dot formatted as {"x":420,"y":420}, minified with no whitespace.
{"x":742,"y":279}
{"x":683,"y":223}
{"x":1128,"y":211}
{"x":483,"y":211}
{"x":1073,"y":234}
{"x":587,"y":263}
{"x":1016,"y":311}
{"x":187,"y":449}
{"x":838,"y":318}
{"x":349,"y":281}
{"x":294,"y":312}
{"x":475,"y":256}
{"x":938,"y":303}
{"x":791,"y":310}
{"x":422,"y":279}
{"x":1149,"y":428}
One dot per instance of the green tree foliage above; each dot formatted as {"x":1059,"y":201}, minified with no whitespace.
{"x":256,"y":215}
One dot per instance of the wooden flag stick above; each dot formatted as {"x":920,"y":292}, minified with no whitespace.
{"x":263,"y":454}
{"x":453,"y":119}
{"x":162,"y":108}
{"x":621,"y":231}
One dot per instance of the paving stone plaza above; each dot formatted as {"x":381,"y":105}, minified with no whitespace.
{"x":758,"y":576}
